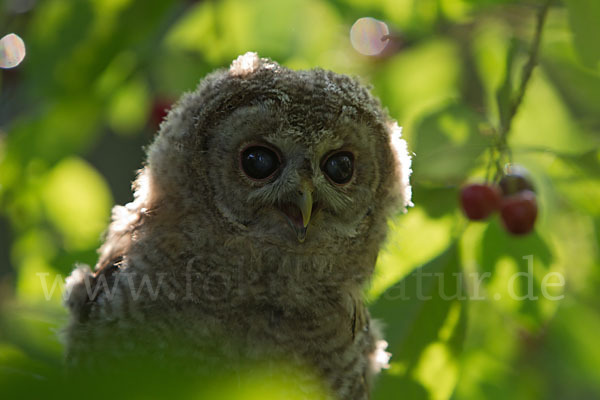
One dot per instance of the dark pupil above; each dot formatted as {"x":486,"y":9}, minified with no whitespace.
{"x":259,"y":162}
{"x":339,"y":167}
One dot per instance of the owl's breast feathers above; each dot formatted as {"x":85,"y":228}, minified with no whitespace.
{"x":336,"y":338}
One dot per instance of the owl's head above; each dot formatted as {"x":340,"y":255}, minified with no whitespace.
{"x":299,"y":159}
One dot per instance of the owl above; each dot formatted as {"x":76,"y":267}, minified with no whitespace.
{"x":255,"y":227}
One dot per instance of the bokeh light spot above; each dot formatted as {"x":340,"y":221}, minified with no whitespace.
{"x":369,"y":36}
{"x":12,"y":51}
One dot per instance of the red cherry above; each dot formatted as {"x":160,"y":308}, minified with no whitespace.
{"x":478,"y":201}
{"x":518,"y":212}
{"x":160,"y":109}
{"x":514,"y":183}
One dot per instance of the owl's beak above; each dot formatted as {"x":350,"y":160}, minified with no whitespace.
{"x":298,"y":210}
{"x":304,"y":202}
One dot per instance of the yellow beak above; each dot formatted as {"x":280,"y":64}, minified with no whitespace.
{"x":304,"y":202}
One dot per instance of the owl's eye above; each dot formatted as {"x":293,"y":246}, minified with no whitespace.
{"x":259,"y":162}
{"x":339,"y":167}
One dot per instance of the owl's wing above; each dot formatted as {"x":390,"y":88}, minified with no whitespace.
{"x":360,"y":318}
{"x":88,"y":287}
{"x":367,"y":332}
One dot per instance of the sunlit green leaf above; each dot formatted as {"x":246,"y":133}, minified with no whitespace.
{"x":107,"y":8}
{"x":413,"y":240}
{"x":417,"y":81}
{"x":576,"y":179}
{"x":544,"y":122}
{"x":129,"y":108}
{"x":39,"y":283}
{"x":409,"y":15}
{"x":484,"y":3}
{"x":223,"y":30}
{"x":15,"y":364}
{"x":516,"y":271}
{"x":579,"y":85}
{"x":78,"y":202}
{"x":584,"y":16}
{"x":116,"y":73}
{"x":424,"y":316}
{"x":35,"y":330}
{"x":423,"y":300}
{"x":37,"y":243}
{"x":66,"y":127}
{"x":456,"y":10}
{"x":490,"y":349}
{"x":447,"y":145}
{"x":504,"y":95}
{"x":435,"y":200}
{"x":493,"y":54}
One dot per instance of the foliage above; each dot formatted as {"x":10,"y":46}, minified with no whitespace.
{"x":75,"y":115}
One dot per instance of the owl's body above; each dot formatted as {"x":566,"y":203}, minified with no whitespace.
{"x":255,"y":226}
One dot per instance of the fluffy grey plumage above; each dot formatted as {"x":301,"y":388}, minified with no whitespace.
{"x":207,"y":263}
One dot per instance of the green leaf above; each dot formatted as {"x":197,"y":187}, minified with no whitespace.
{"x":504,"y":95}
{"x":513,"y":270}
{"x":579,"y":86}
{"x":583,"y":17}
{"x":573,"y":339}
{"x":487,"y":3}
{"x":77,"y":201}
{"x":437,"y":201}
{"x":425,"y":325}
{"x":223,"y":30}
{"x":576,"y":179}
{"x":497,"y":243}
{"x":597,"y":230}
{"x":544,"y":121}
{"x":129,"y":107}
{"x":448,"y":144}
{"x":418,"y":80}
{"x":413,"y":240}
{"x":417,"y":306}
{"x":64,"y":127}
{"x":490,"y":51}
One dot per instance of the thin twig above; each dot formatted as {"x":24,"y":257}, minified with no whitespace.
{"x":532,"y":61}
{"x":504,"y":154}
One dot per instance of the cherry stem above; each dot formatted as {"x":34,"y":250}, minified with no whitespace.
{"x":502,"y":148}
{"x":528,"y":68}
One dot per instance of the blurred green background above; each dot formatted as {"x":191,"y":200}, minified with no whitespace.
{"x":75,"y":115}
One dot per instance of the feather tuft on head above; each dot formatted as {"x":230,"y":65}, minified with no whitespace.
{"x":245,"y":64}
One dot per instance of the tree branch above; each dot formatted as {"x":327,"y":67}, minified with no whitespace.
{"x":532,"y":61}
